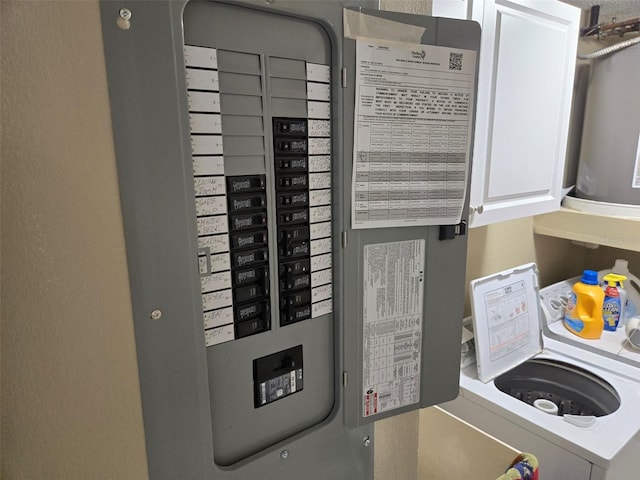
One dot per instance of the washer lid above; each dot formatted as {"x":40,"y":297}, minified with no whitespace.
{"x":506,"y":319}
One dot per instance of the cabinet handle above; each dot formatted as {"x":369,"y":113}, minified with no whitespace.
{"x":479,"y":209}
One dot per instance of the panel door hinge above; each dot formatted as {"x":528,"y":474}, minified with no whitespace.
{"x":344,"y":77}
{"x":344,"y":239}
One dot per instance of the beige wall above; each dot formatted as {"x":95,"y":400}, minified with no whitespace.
{"x":70,"y":393}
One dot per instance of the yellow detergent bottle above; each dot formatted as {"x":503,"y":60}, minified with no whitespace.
{"x":583,"y":316}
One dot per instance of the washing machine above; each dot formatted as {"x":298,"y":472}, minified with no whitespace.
{"x":573,"y":403}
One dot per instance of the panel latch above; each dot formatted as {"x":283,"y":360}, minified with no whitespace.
{"x":449,"y":232}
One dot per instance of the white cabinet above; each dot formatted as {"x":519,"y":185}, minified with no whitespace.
{"x":525,"y":85}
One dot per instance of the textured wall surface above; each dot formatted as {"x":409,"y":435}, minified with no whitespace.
{"x":70,"y":393}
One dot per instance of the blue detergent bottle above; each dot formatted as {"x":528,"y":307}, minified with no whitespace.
{"x":612,"y":304}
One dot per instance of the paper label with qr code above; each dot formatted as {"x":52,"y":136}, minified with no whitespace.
{"x":412,"y":134}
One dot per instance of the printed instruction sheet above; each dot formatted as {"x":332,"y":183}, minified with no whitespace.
{"x":392,"y":325}
{"x":507,"y":316}
{"x":412,"y":129}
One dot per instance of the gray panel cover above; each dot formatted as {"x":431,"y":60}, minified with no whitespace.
{"x":189,"y":390}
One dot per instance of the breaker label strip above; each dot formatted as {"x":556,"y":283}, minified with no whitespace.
{"x":319,"y":197}
{"x":215,"y":300}
{"x":321,"y":277}
{"x":218,"y":335}
{"x":319,"y":230}
{"x":204,"y":186}
{"x":319,"y":128}
{"x":210,"y":190}
{"x":320,"y":163}
{"x":318,"y":91}
{"x":198,"y":79}
{"x":318,"y":73}
{"x":205,"y":123}
{"x":215,"y":243}
{"x":319,"y":181}
{"x":208,"y":166}
{"x":214,"y":205}
{"x":203,"y":101}
{"x":217,"y":318}
{"x":321,"y":246}
{"x":212,"y":225}
{"x":321,"y":308}
{"x":320,"y":110}
{"x":202,"y":57}
{"x":206,"y":144}
{"x":216,"y":281}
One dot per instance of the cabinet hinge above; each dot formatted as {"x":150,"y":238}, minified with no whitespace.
{"x":344,"y":77}
{"x":344,"y":239}
{"x":345,"y":379}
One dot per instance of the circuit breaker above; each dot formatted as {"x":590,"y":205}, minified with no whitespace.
{"x":285,"y":182}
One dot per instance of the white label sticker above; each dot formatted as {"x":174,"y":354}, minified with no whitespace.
{"x":216,"y":205}
{"x":206,"y":144}
{"x":320,"y":230}
{"x":318,"y":91}
{"x":205,"y":123}
{"x":319,"y":197}
{"x":319,"y":110}
{"x":319,"y":128}
{"x":203,"y":101}
{"x":321,"y":277}
{"x":320,"y":163}
{"x":200,"y":57}
{"x":209,"y":186}
{"x":215,"y":281}
{"x":320,"y":293}
{"x":208,"y":165}
{"x":218,"y":335}
{"x":214,"y":263}
{"x":319,"y":146}
{"x":321,"y":246}
{"x":202,"y":79}
{"x":321,"y":262}
{"x":217,"y":318}
{"x":215,"y":300}
{"x":212,"y":225}
{"x":321,"y":308}
{"x":215,"y":243}
{"x":318,"y":73}
{"x":220,"y":262}
{"x":392,"y":302}
{"x":318,"y":181}
{"x":319,"y":214}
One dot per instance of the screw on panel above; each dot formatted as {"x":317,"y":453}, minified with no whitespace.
{"x":156,"y":314}
{"x":367,"y":441}
{"x":284,"y":454}
{"x":124,"y":17}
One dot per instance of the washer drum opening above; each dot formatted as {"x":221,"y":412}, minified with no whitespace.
{"x":574,"y":390}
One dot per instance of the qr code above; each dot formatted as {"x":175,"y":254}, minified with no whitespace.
{"x":455,"y":61}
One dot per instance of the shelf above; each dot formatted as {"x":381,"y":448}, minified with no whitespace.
{"x":594,"y":228}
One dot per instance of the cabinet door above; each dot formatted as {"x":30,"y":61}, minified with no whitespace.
{"x":527,"y":64}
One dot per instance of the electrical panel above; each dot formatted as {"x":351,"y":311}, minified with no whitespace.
{"x":264,"y":245}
